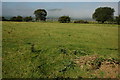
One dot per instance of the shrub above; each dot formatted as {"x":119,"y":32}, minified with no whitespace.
{"x":118,"y":20}
{"x":3,"y":19}
{"x":29,"y":18}
{"x":64,"y":19}
{"x":18,"y":18}
{"x":13,"y":19}
{"x":80,"y":21}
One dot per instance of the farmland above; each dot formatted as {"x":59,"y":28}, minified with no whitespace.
{"x":48,"y":50}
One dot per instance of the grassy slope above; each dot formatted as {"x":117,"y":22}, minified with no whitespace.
{"x":49,"y":39}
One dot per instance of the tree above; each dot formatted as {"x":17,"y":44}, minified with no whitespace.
{"x":40,"y":14}
{"x":29,"y":18}
{"x":118,"y":20}
{"x":80,"y":21}
{"x":13,"y":19}
{"x":103,"y":14}
{"x":64,"y":19}
{"x":18,"y":18}
{"x":0,"y":18}
{"x":4,"y":19}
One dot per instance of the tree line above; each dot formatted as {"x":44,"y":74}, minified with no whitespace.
{"x":18,"y":18}
{"x":101,"y":15}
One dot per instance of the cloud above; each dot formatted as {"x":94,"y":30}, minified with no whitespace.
{"x":55,"y":9}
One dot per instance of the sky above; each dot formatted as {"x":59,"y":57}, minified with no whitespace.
{"x":60,"y":0}
{"x":81,"y":10}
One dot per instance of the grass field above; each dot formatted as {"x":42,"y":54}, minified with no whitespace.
{"x":43,"y":50}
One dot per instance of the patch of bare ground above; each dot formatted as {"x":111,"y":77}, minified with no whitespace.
{"x":99,"y":67}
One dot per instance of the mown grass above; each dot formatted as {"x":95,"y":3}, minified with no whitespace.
{"x":55,"y":47}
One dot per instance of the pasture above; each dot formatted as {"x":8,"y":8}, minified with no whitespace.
{"x":48,"y":50}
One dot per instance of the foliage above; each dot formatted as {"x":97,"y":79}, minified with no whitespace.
{"x":80,"y":21}
{"x":40,"y":14}
{"x":18,"y":18}
{"x":103,"y":14}
{"x":29,"y":18}
{"x":118,"y":20}
{"x":4,"y":19}
{"x":13,"y":18}
{"x":64,"y":19}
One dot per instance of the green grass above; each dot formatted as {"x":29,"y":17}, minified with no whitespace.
{"x":54,"y":47}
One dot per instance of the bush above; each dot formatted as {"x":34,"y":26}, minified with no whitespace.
{"x":13,"y":19}
{"x":80,"y":21}
{"x":18,"y":18}
{"x":29,"y":18}
{"x":64,"y":19}
{"x":118,"y":20}
{"x":3,"y":19}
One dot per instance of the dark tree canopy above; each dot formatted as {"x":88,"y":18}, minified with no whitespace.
{"x":3,"y":19}
{"x":64,"y":19}
{"x":29,"y":18}
{"x":18,"y":18}
{"x":80,"y":21}
{"x":13,"y":19}
{"x":40,"y":14}
{"x":103,"y":14}
{"x":118,"y":19}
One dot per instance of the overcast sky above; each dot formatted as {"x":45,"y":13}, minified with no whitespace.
{"x":59,"y":0}
{"x":55,"y":9}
